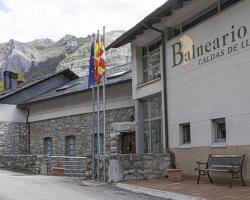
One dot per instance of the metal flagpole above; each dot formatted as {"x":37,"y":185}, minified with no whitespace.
{"x":93,"y":122}
{"x":98,"y":122}
{"x":104,"y":114}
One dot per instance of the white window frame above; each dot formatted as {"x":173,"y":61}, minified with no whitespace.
{"x":183,"y":133}
{"x":215,"y":130}
{"x":147,"y":56}
{"x":150,"y":120}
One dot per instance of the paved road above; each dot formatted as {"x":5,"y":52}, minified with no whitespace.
{"x":19,"y":186}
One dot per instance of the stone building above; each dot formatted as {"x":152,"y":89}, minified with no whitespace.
{"x":58,"y":111}
{"x":193,"y":56}
{"x":53,"y":116}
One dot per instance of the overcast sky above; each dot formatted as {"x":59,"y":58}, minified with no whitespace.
{"x":26,"y":20}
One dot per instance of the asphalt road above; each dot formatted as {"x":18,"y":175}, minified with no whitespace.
{"x":20,"y":186}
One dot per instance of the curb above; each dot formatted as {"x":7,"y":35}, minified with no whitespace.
{"x":92,"y":183}
{"x":156,"y":193}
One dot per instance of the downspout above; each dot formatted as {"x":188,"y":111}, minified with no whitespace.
{"x":27,"y":124}
{"x":164,"y":77}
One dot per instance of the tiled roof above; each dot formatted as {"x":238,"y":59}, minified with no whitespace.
{"x":115,"y":75}
{"x":23,"y":86}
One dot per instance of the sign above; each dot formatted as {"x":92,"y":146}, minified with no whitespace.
{"x":185,"y":51}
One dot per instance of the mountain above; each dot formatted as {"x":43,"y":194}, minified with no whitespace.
{"x":43,"y":56}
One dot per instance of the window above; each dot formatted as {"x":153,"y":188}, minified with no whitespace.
{"x":219,"y":130}
{"x":185,"y":137}
{"x":151,"y":62}
{"x":152,"y":125}
{"x":227,"y":3}
{"x":204,"y":15}
{"x":96,"y":142}
{"x":200,"y":18}
{"x":47,"y":146}
{"x":70,"y":146}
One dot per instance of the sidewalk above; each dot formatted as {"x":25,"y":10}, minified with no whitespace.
{"x":187,"y":190}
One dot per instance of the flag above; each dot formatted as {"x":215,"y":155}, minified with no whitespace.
{"x":96,"y":56}
{"x":102,"y":62}
{"x":91,"y":80}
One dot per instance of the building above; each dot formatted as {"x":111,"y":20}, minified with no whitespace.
{"x":58,"y":110}
{"x":190,"y":72}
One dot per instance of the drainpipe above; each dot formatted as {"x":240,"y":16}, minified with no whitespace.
{"x":164,"y":77}
{"x":27,"y":129}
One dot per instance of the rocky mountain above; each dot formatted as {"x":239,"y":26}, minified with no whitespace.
{"x":42,"y":56}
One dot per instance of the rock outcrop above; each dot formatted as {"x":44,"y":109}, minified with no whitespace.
{"x":42,"y":56}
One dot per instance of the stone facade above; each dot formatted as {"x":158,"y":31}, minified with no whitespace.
{"x":79,"y":126}
{"x":31,"y":163}
{"x":12,"y":138}
{"x":124,"y":167}
{"x":115,"y":135}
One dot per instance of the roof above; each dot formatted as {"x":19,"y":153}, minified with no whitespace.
{"x":115,"y":75}
{"x":33,"y":82}
{"x":153,"y":18}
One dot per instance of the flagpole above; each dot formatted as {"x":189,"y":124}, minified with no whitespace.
{"x":98,"y":121}
{"x":104,"y":114}
{"x":93,"y":123}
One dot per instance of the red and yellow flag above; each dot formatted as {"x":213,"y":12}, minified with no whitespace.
{"x":96,"y":58}
{"x":102,"y":60}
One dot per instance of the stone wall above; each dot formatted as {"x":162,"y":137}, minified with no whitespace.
{"x":12,"y":138}
{"x":79,"y":126}
{"x":115,"y":136}
{"x":123,"y":167}
{"x":31,"y":163}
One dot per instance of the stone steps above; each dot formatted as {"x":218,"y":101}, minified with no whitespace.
{"x":72,"y":167}
{"x":79,"y":175}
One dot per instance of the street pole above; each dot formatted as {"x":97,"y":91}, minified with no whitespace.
{"x":98,"y":120}
{"x":104,"y":114}
{"x":93,"y":124}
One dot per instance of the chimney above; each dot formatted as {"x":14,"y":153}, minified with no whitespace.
{"x":10,"y":80}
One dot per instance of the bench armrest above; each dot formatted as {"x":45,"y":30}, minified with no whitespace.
{"x":201,"y":163}
{"x":234,"y":168}
{"x":205,"y":164}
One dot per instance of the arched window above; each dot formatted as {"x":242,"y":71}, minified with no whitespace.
{"x":47,"y":146}
{"x":70,"y":146}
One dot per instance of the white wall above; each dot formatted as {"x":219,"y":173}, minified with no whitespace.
{"x":221,"y":88}
{"x":9,"y":113}
{"x":119,"y":96}
{"x":143,"y":90}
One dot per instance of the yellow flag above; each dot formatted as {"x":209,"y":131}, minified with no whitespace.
{"x":1,"y":85}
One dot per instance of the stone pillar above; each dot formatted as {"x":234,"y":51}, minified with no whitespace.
{"x":115,"y":135}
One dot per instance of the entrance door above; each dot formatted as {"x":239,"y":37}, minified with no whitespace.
{"x":128,"y":143}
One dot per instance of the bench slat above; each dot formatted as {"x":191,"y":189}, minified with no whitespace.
{"x":216,"y":170}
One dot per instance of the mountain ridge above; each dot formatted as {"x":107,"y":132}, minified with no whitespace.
{"x":44,"y":56}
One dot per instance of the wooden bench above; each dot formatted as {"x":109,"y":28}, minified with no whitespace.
{"x":231,"y":164}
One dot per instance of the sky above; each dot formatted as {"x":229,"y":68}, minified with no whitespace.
{"x":26,"y":20}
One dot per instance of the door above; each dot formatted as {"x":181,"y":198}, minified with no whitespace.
{"x":128,"y":143}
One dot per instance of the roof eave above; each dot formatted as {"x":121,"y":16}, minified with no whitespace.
{"x":139,"y":28}
{"x":68,"y":94}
